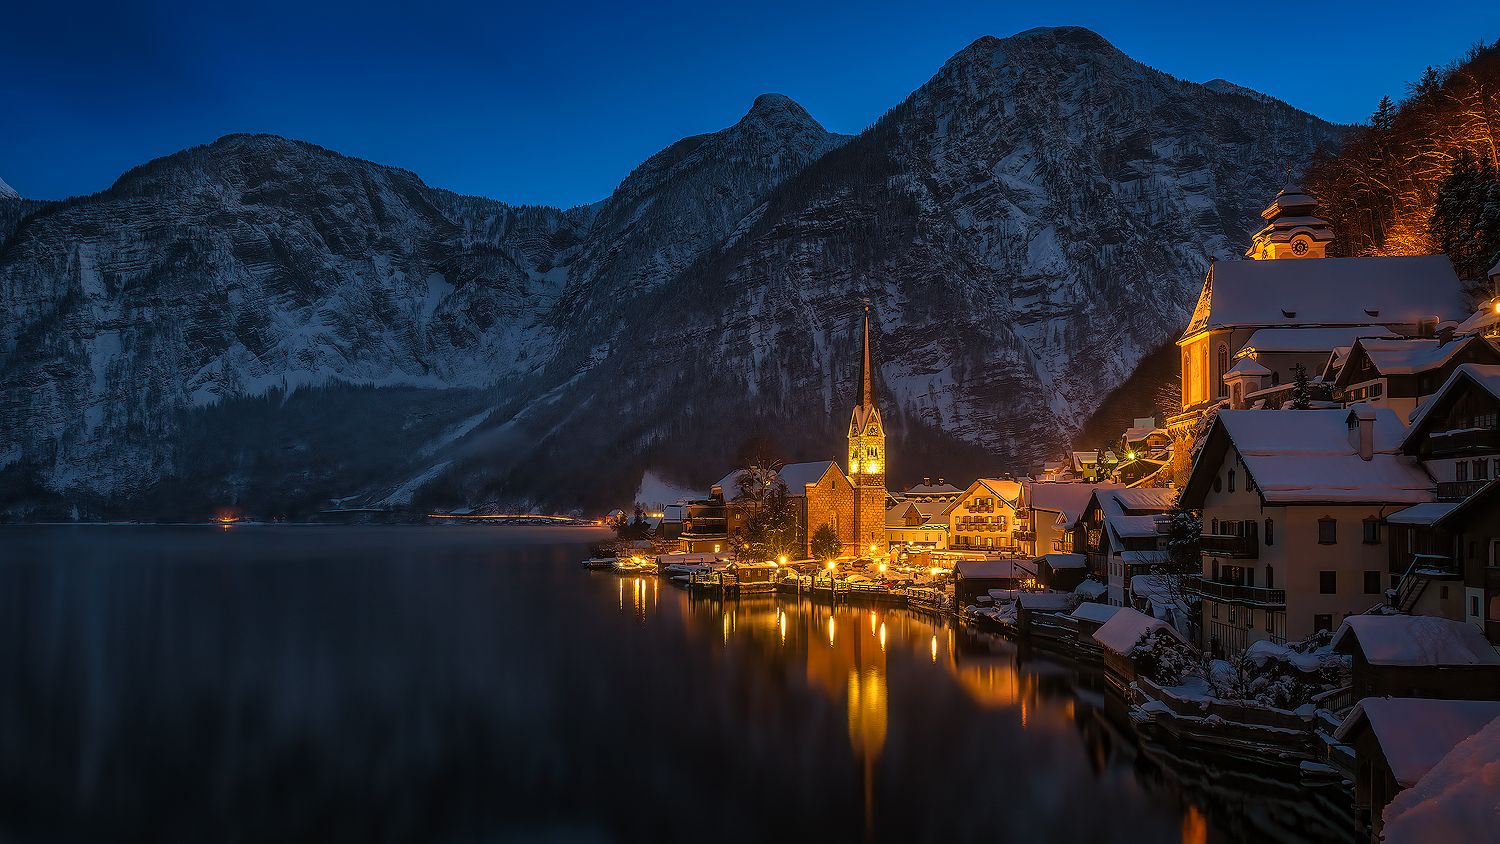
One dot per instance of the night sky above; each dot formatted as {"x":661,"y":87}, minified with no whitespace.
{"x":554,"y":103}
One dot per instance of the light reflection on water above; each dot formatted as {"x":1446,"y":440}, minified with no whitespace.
{"x":475,"y":684}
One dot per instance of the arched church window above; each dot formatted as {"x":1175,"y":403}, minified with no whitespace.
{"x":1223,"y":367}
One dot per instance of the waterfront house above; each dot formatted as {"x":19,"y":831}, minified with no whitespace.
{"x":1396,"y":741}
{"x":972,"y":578}
{"x":1090,"y":617}
{"x":1419,"y":656}
{"x":1061,"y":572}
{"x":1474,"y":528}
{"x":1291,"y":503}
{"x":916,"y":524}
{"x":984,"y":517}
{"x":1117,"y":522}
{"x":1119,"y":637}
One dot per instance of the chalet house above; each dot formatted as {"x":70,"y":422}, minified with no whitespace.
{"x":1144,"y":439}
{"x":1291,"y":504}
{"x":972,"y":578}
{"x":1425,"y":578}
{"x":1061,"y":572}
{"x":917,"y":524}
{"x":1090,"y":617}
{"x":984,"y":517}
{"x":1119,"y":636}
{"x":1263,"y":371}
{"x":1419,"y":656}
{"x":1290,"y":285}
{"x":1092,"y":536}
{"x":929,"y":491}
{"x":1400,"y":374}
{"x":1396,"y":741}
{"x":1052,"y":511}
{"x":1456,"y":434}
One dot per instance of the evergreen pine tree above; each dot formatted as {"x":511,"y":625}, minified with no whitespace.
{"x":1301,"y":389}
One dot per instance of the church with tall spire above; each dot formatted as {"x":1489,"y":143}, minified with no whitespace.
{"x":867,"y":459}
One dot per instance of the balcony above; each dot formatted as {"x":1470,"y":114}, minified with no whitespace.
{"x":1468,"y":439}
{"x":1021,"y":535}
{"x":1256,"y":596}
{"x":1234,"y":547}
{"x":1458,"y":490}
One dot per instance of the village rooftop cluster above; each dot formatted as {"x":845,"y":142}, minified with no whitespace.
{"x":1302,"y":564}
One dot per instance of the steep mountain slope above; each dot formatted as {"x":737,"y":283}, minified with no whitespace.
{"x":1026,"y":226}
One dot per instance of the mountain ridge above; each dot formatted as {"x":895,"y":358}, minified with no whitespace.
{"x":1029,"y":223}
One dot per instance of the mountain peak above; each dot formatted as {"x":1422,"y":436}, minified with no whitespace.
{"x":782,"y":115}
{"x":8,"y":192}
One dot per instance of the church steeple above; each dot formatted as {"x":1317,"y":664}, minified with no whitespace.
{"x":867,"y":458}
{"x":1293,"y":229}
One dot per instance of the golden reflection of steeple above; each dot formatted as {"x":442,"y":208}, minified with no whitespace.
{"x":990,"y":683}
{"x":867,"y":713}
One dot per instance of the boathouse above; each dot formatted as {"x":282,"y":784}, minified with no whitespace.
{"x":1419,"y":656}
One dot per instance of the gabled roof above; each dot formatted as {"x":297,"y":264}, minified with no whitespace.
{"x":798,"y":475}
{"x":1304,"y":456}
{"x":1131,"y":527}
{"x":1414,"y":640}
{"x":895,"y":517}
{"x":1133,"y":435}
{"x":989,"y":568}
{"x":1455,"y":800}
{"x":1099,"y":613}
{"x":1149,"y":499}
{"x":1007,"y":491}
{"x":1067,"y":499}
{"x":1064,"y":561}
{"x":933,"y":489}
{"x":1329,"y":292}
{"x":1126,"y":627}
{"x":1409,"y":356}
{"x":1416,"y":733}
{"x":1310,"y":339}
{"x":1483,"y":376}
{"x":1422,"y":514}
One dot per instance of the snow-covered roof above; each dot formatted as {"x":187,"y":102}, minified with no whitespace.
{"x":1415,"y":640}
{"x":1329,"y":292}
{"x":1159,"y":499}
{"x":1096,"y":612}
{"x":1408,"y":356}
{"x":1416,"y":733}
{"x":1484,"y":319}
{"x":797,"y":476}
{"x":1422,"y":514}
{"x":895,"y":517}
{"x":929,"y":509}
{"x":1047,"y":601}
{"x":1091,"y":589}
{"x":1064,"y":561}
{"x":1248,"y":367}
{"x":1133,"y":435}
{"x":1065,"y":498}
{"x":1135,"y":558}
{"x":1126,"y":627}
{"x":1306,"y":456}
{"x":1132,"y":527}
{"x":1310,"y":339}
{"x":933,"y":489}
{"x":1458,"y":799}
{"x":989,"y":568}
{"x":1484,"y":376}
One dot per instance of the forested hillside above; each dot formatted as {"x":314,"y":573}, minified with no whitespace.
{"x":1424,"y":175}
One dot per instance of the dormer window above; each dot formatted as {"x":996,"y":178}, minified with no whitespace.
{"x":1288,"y":314}
{"x":1372,"y":312}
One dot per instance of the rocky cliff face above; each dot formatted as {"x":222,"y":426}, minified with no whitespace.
{"x":1026,"y":226}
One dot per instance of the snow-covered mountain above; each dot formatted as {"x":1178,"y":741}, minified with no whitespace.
{"x":1027,"y":225}
{"x":8,"y":192}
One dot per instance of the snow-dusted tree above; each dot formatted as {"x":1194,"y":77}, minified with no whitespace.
{"x":1302,"y":395}
{"x":825,"y":543}
{"x":1184,"y":562}
{"x":1163,"y":657}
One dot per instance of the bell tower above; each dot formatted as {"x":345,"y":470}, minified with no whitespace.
{"x":867,"y":461}
{"x":1293,"y":229}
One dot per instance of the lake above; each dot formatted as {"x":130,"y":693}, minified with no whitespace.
{"x":476,"y":684}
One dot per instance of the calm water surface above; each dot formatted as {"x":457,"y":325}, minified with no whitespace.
{"x":475,"y":684}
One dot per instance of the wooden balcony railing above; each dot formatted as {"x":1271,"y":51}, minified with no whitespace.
{"x":1236,"y":547}
{"x":1250,"y":595}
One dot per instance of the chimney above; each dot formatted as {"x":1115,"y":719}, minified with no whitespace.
{"x":1427,"y":326}
{"x":927,"y":482}
{"x":940,"y":481}
{"x":1362,"y":430}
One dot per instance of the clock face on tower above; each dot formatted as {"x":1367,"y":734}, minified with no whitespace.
{"x":1299,"y":247}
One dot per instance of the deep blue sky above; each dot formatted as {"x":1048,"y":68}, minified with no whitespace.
{"x":554,"y":102}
